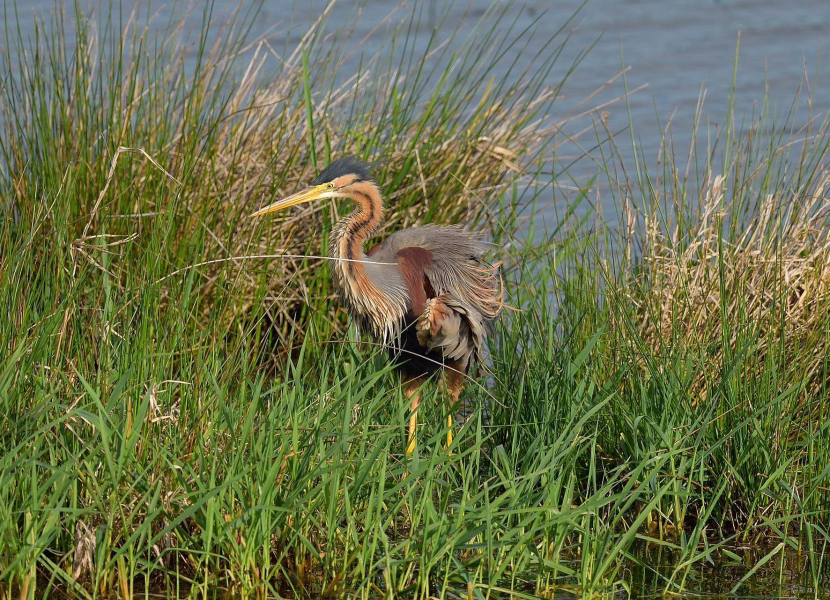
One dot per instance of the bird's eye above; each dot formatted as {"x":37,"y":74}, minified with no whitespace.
{"x":329,"y":185}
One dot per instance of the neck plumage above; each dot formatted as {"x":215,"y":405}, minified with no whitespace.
{"x":353,"y":230}
{"x":353,"y":275}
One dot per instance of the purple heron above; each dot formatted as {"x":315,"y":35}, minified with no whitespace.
{"x":424,"y":292}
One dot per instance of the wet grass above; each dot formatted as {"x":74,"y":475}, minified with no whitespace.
{"x":187,"y":411}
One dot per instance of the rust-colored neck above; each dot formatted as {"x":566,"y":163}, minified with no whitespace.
{"x":353,"y":230}
{"x":370,"y":301}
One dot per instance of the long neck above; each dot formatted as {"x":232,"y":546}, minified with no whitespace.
{"x":354,"y":229}
{"x":371,"y":301}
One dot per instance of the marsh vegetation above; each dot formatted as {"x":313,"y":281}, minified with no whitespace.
{"x":186,"y":410}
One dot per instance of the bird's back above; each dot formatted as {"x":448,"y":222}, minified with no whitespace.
{"x":454,"y":266}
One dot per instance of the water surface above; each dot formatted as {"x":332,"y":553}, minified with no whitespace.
{"x":678,"y":49}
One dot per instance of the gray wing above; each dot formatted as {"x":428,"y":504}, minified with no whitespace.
{"x":453,"y":292}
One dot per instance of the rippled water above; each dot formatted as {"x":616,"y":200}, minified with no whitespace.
{"x":676,"y":48}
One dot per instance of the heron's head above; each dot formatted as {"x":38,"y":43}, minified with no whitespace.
{"x":336,"y":181}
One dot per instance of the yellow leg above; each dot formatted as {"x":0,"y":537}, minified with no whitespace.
{"x":412,"y":438}
{"x":449,"y":433}
{"x":412,"y":390}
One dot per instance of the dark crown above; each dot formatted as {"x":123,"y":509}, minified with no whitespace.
{"x":348,"y":165}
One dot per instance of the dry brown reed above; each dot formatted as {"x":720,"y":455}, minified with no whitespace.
{"x":708,"y":293}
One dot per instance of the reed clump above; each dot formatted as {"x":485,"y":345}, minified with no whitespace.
{"x":769,"y":286}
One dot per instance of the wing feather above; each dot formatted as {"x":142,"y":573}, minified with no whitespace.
{"x":457,"y":267}
{"x":453,"y":292}
{"x":414,"y":262}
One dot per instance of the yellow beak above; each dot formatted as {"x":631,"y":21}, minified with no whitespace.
{"x":306,"y":195}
